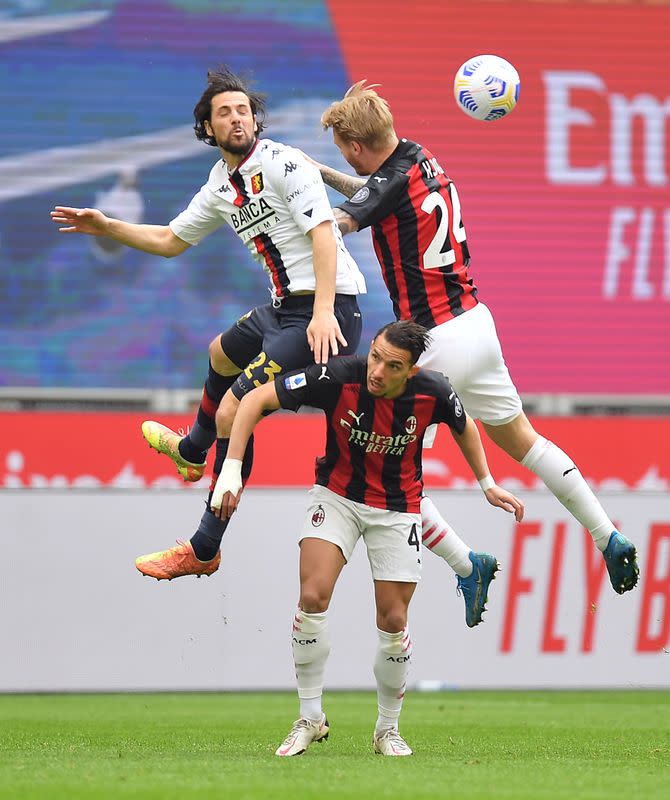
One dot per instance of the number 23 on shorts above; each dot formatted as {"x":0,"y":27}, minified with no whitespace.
{"x":271,"y":370}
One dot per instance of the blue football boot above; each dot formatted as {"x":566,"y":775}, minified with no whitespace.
{"x":621,"y":560}
{"x":475,"y":587}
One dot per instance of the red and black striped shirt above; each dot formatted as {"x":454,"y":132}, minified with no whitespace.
{"x":373,"y":444}
{"x":418,"y":235}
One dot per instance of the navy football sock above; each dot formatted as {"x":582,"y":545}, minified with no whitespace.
{"x":207,"y":539}
{"x":190,"y":452}
{"x":202,"y":435}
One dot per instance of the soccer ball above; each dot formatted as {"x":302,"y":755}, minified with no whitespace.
{"x":486,"y":87}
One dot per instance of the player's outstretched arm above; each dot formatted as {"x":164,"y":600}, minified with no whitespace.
{"x":323,"y":331}
{"x":158,"y":240}
{"x":471,"y":446}
{"x":226,"y":494}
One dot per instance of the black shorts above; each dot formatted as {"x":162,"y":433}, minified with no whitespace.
{"x":272,"y":340}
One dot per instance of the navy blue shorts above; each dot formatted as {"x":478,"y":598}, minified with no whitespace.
{"x":272,"y":340}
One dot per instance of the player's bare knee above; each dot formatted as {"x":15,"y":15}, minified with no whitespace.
{"x":314,"y":598}
{"x":515,"y":437}
{"x":225,"y":414}
{"x":391,"y":620}
{"x":220,"y":361}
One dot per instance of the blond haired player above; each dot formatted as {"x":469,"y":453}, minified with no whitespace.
{"x":414,"y":211}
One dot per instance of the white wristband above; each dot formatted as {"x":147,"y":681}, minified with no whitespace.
{"x":230,"y":480}
{"x":487,"y":483}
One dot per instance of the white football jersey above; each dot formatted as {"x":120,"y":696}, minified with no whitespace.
{"x":271,"y":201}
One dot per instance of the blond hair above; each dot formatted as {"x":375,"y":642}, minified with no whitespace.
{"x":361,"y":116}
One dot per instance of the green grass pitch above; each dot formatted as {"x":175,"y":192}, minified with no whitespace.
{"x":516,"y":745}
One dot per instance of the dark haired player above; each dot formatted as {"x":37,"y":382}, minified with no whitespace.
{"x":369,"y":485}
{"x":276,"y":202}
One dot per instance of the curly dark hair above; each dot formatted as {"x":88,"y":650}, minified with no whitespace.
{"x":223,"y":79}
{"x":406,"y":335}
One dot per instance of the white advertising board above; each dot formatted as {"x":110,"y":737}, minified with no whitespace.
{"x":79,"y":617}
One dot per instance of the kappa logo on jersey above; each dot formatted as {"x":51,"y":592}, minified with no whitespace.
{"x":379,"y":179}
{"x":289,"y":166}
{"x":361,"y":195}
{"x":225,"y":188}
{"x":410,"y":424}
{"x":318,"y":516}
{"x":295,"y":381}
{"x":257,"y":183}
{"x":323,"y":376}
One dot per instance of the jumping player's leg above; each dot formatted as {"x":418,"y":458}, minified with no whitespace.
{"x":562,"y":477}
{"x":474,"y":571}
{"x":189,"y":452}
{"x":201,"y":554}
{"x":520,"y":440}
{"x":284,"y":348}
{"x":206,"y":541}
{"x":449,"y":354}
{"x":438,"y":536}
{"x":488,"y":394}
{"x":277,"y":340}
{"x":222,"y":374}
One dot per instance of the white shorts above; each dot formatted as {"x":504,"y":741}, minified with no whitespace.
{"x":466,"y":349}
{"x":392,"y":538}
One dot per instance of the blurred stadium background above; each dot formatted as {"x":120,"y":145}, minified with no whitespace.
{"x":567,"y":209}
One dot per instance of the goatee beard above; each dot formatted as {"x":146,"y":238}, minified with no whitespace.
{"x":239,"y":149}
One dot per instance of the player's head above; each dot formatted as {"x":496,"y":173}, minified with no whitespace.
{"x":229,"y":115}
{"x":392,"y":358}
{"x":362,"y":127}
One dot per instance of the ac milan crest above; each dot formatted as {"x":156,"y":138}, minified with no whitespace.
{"x":318,"y":516}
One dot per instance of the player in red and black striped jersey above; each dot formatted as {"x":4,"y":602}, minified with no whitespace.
{"x":376,"y":416}
{"x":414,"y":212}
{"x":373,"y":446}
{"x":368,"y":485}
{"x":419,"y":238}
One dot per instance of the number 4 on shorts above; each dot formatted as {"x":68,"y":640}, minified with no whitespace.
{"x":413,"y":540}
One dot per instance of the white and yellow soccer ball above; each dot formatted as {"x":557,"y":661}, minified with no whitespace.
{"x":486,"y":87}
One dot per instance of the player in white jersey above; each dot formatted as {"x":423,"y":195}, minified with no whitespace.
{"x":271,"y":200}
{"x":276,"y":202}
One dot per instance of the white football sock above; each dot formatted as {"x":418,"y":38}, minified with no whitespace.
{"x":440,"y":538}
{"x":311,"y":647}
{"x":565,"y":481}
{"x":392,"y":661}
